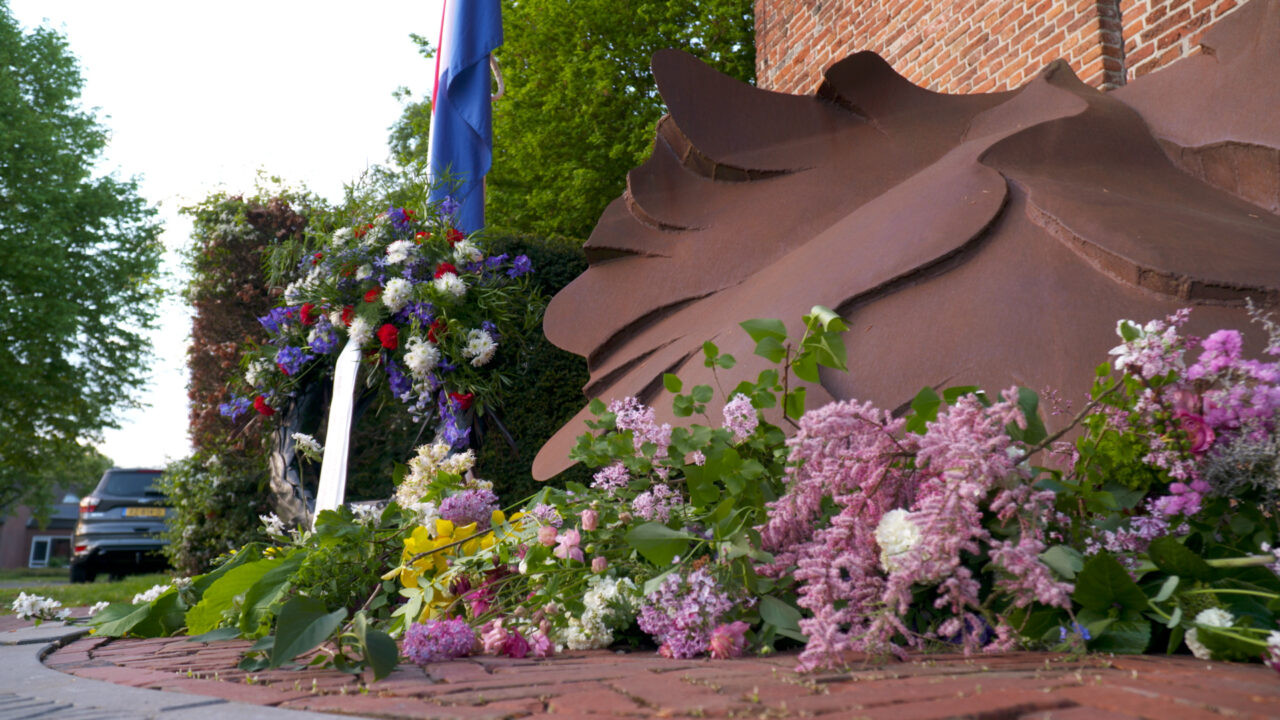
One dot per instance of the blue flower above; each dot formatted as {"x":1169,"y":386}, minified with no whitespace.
{"x":324,"y":339}
{"x":291,"y":359}
{"x":235,"y":408}
{"x":400,"y":219}
{"x":449,"y":207}
{"x":520,"y":266}
{"x":278,"y":318}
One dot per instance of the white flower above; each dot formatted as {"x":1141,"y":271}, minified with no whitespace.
{"x":466,"y":251}
{"x":150,"y":595}
{"x":399,"y":251}
{"x":396,"y":293}
{"x":367,"y":514}
{"x":37,"y":607}
{"x":1211,"y":617}
{"x":364,"y":272}
{"x":98,"y":607}
{"x":480,"y":347}
{"x":273,"y":525}
{"x":361,"y":331}
{"x":293,"y":291}
{"x":335,"y":318}
{"x":425,"y":513}
{"x":422,"y":357}
{"x":343,"y":236}
{"x":181,"y":582}
{"x":459,"y":463}
{"x":450,"y":284}
{"x":896,"y":534}
{"x":308,"y":445}
{"x":257,"y":373}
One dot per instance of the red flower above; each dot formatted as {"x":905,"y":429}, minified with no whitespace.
{"x":419,"y":236}
{"x":315,"y":259}
{"x":437,"y":326}
{"x":389,"y":336}
{"x":454,"y":237}
{"x":260,"y":404}
{"x":372,"y":295}
{"x":308,"y":314}
{"x":348,"y":312}
{"x":445,"y":268}
{"x":360,"y":232}
{"x":463,"y":399}
{"x":282,"y":369}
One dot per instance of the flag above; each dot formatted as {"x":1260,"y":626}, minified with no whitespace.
{"x":460,"y":146}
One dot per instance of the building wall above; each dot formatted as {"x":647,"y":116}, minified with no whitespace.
{"x":965,"y":46}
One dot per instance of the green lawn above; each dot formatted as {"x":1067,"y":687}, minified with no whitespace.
{"x":33,"y":574}
{"x":78,"y":595}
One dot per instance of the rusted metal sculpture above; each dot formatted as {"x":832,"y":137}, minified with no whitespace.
{"x":966,"y":239}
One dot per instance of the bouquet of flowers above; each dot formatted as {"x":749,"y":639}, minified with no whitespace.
{"x":426,"y":306}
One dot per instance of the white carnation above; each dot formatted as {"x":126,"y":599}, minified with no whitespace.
{"x":450,"y":284}
{"x":1211,"y":617}
{"x":480,"y":347}
{"x":896,"y":534}
{"x":361,"y":331}
{"x":399,"y":251}
{"x":343,"y":236}
{"x":397,"y":293}
{"x":422,"y":357}
{"x":465,"y":251}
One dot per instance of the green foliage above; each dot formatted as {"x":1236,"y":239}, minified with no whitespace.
{"x":547,"y":382}
{"x":581,"y":103}
{"x":78,"y":267}
{"x":216,"y":499}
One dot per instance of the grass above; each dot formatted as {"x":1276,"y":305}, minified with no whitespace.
{"x":85,"y":593}
{"x":33,"y":574}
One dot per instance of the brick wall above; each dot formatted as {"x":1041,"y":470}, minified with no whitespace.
{"x":963,"y":46}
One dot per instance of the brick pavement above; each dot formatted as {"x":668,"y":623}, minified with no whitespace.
{"x":603,"y":684}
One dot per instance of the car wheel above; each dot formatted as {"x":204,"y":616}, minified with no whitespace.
{"x":82,"y":574}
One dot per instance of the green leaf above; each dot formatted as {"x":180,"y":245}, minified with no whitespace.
{"x":702,"y":488}
{"x":1065,"y":560}
{"x":268,"y":591}
{"x":771,"y":349}
{"x":379,"y":649}
{"x":221,"y":595}
{"x":779,"y":614}
{"x":216,"y":635}
{"x":806,"y":368}
{"x":710,"y":350}
{"x":1175,"y":558}
{"x":658,"y":543}
{"x":702,"y":393}
{"x":762,"y":328}
{"x":119,"y":626}
{"x":795,"y":403}
{"x":671,"y":382}
{"x":726,"y":362}
{"x":1104,"y":582}
{"x":1128,"y":331}
{"x":826,"y":317}
{"x":1029,"y":402}
{"x":304,"y":623}
{"x":1166,"y":589}
{"x":1175,"y":617}
{"x":1129,"y":634}
{"x":952,"y":394}
{"x":924,"y":409}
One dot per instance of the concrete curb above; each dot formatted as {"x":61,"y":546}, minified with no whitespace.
{"x":28,"y":689}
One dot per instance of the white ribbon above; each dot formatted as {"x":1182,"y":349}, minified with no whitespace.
{"x":337,"y":441}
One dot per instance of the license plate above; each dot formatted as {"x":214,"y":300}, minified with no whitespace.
{"x":143,"y":512}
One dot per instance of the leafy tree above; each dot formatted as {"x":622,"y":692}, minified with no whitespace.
{"x":78,"y":267}
{"x":581,"y":103}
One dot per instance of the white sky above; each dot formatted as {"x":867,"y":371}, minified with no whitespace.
{"x":200,"y":96}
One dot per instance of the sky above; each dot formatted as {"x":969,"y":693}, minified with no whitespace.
{"x":203,"y":96}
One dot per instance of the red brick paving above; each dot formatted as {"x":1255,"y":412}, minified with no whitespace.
{"x":599,"y":685}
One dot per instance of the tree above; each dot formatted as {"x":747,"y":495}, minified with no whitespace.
{"x":78,"y":267}
{"x":581,"y":103}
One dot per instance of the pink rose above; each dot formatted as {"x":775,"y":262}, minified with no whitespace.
{"x":590,"y":520}
{"x":599,"y":564}
{"x":1199,"y":434}
{"x":547,"y":535}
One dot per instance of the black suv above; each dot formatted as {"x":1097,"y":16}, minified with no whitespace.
{"x":119,"y":528}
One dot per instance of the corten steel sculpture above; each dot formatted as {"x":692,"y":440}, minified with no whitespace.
{"x":981,"y":240}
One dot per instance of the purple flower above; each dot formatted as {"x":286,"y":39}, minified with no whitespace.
{"x":470,"y":506}
{"x":547,"y":515}
{"x":400,"y":219}
{"x":520,"y":266}
{"x":277,"y":318}
{"x":656,"y":503}
{"x":400,"y":384}
{"x":290,"y":359}
{"x":235,"y":407}
{"x":323,"y":339}
{"x":438,"y":640}
{"x":611,"y":479}
{"x":681,"y":614}
{"x":449,"y":207}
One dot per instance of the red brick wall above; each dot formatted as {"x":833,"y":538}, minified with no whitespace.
{"x":963,"y":46}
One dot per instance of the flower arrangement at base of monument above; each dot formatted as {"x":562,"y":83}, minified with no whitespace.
{"x":961,"y":524}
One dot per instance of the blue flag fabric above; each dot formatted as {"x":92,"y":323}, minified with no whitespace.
{"x":461,"y":141}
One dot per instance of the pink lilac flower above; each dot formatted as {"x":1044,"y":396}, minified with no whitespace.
{"x":682,"y":612}
{"x":656,"y":503}
{"x":740,"y":417}
{"x":611,"y":479}
{"x":639,"y":419}
{"x":568,"y":546}
{"x":438,"y":640}
{"x":728,"y":641}
{"x":470,"y":506}
{"x":547,"y":514}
